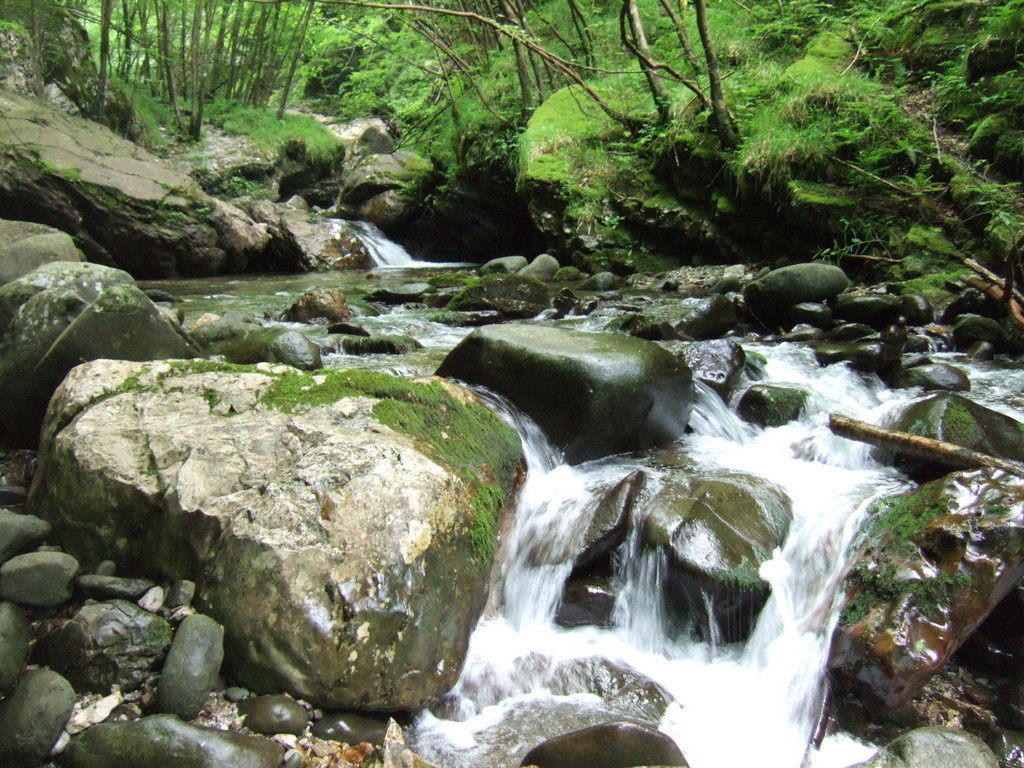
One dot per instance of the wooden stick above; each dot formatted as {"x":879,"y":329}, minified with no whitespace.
{"x":996,"y":292}
{"x":951,"y":455}
{"x":992,"y":276}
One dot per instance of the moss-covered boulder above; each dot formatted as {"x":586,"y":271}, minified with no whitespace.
{"x":932,"y":565}
{"x":270,"y":345}
{"x":515,"y":296}
{"x":772,"y":405}
{"x":717,"y":531}
{"x":122,"y":205}
{"x":339,"y":525}
{"x":594,"y":394}
{"x":928,"y":747}
{"x":955,"y":419}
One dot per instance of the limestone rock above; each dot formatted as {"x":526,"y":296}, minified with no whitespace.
{"x":339,"y":532}
{"x":593,"y":394}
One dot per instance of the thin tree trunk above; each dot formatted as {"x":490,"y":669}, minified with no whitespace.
{"x":579,"y":21}
{"x":233,"y":56}
{"x":522,"y":65}
{"x":106,"y":11}
{"x":682,"y":34}
{"x":195,"y":117}
{"x":631,"y":14}
{"x":726,"y":131}
{"x":947,"y":454}
{"x":295,"y":61}
{"x":165,"y":52}
{"x":37,"y":47}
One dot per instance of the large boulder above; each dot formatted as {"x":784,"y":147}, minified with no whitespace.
{"x":122,"y":205}
{"x":339,"y":525}
{"x":512,"y":295}
{"x":717,"y":532}
{"x":933,"y":564}
{"x":384,"y":189}
{"x":930,"y":747}
{"x":25,"y":246}
{"x":594,"y":394}
{"x":769,"y":297}
{"x":59,"y":327}
{"x":304,"y":242}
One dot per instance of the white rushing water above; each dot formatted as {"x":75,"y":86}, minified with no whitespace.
{"x":732,"y":703}
{"x":384,"y":252}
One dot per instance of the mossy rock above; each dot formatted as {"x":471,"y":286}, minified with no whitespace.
{"x":515,"y":296}
{"x":771,"y":405}
{"x":987,"y":135}
{"x":399,"y":344}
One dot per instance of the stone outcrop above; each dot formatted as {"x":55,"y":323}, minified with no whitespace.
{"x":123,"y":206}
{"x":340,"y":526}
{"x":25,"y":246}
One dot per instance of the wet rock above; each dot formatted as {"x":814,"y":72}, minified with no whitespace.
{"x":1008,"y":747}
{"x":347,"y":329}
{"x":771,"y":405}
{"x":271,"y":345}
{"x":971,"y":301}
{"x":181,"y":593}
{"x":934,"y":376}
{"x":379,"y":345}
{"x":163,"y":741}
{"x":399,"y":294}
{"x":110,"y":587}
{"x":542,"y":268}
{"x":15,"y":635}
{"x":717,"y":531}
{"x":586,"y":602}
{"x":468,"y":319}
{"x":955,"y":419}
{"x":25,"y":245}
{"x":322,"y":517}
{"x":862,"y":356}
{"x":610,"y":745}
{"x":506,"y":265}
{"x":970,"y":329}
{"x":709,"y":319}
{"x":933,"y":564}
{"x":851,"y":332}
{"x":811,"y":313}
{"x":320,"y":305}
{"x":220,"y":329}
{"x":105,"y":644}
{"x":349,"y":728}
{"x":20,"y":533}
{"x":717,"y":363}
{"x":770,"y":296}
{"x":611,"y":522}
{"x":878,"y":311}
{"x":599,"y":282}
{"x":191,"y":669}
{"x":303,"y":242}
{"x":384,"y":189}
{"x":11,"y":496}
{"x":514,"y":296}
{"x":273,"y":714}
{"x":33,"y":718}
{"x":916,"y":309}
{"x":569,"y":275}
{"x":39,"y":579}
{"x":396,"y":754}
{"x":593,"y":394}
{"x":800,"y":334}
{"x":615,"y":683}
{"x":643,"y":327}
{"x":930,"y":747}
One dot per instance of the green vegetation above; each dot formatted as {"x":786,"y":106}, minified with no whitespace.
{"x":300,"y":136}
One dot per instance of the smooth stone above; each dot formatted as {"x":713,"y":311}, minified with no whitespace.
{"x":110,"y":587}
{"x":851,"y":332}
{"x":180,"y":594}
{"x":771,"y":405}
{"x":15,"y":636}
{"x":610,"y":524}
{"x":515,"y":296}
{"x":236,"y":693}
{"x":711,"y":318}
{"x":323,"y":305}
{"x":810,"y":313}
{"x":934,"y":376}
{"x":192,"y":666}
{"x":105,"y":644}
{"x":769,"y":296}
{"x":932,"y":748}
{"x":506,"y":265}
{"x":717,"y":363}
{"x":33,"y":718}
{"x":611,"y":745}
{"x":469,"y":319}
{"x":602,"y":281}
{"x":292,"y":759}
{"x":164,"y":741}
{"x":20,"y":533}
{"x":158,"y":295}
{"x":274,"y":714}
{"x":876,"y":310}
{"x":399,"y":294}
{"x":39,"y":579}
{"x":350,"y":728}
{"x":917,"y":310}
{"x":543,"y":268}
{"x":586,"y":602}
{"x":106,"y":568}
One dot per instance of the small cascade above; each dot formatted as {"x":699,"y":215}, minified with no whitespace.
{"x":384,"y":252}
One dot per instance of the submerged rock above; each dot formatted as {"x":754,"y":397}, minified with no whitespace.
{"x":932,"y":747}
{"x":340,"y":525}
{"x":933,"y":564}
{"x":610,"y":745}
{"x":594,"y":394}
{"x":514,"y":296}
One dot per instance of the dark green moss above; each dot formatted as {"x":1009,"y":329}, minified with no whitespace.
{"x":487,"y":506}
{"x":451,"y":280}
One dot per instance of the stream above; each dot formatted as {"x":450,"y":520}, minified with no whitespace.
{"x":527,"y":678}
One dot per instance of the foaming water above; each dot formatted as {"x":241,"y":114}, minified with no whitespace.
{"x":732,"y":703}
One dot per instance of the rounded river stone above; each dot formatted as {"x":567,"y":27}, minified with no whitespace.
{"x":273,"y":714}
{"x":33,"y":718}
{"x":192,"y":665}
{"x":40,"y":579}
{"x":15,"y":634}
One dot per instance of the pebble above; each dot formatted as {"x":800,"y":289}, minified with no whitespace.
{"x":15,"y":635}
{"x":33,"y":718}
{"x":292,"y":759}
{"x":181,"y":593}
{"x":153,"y":600}
{"x":40,"y":579}
{"x":192,"y":666}
{"x":20,"y":533}
{"x":274,"y":714}
{"x":349,"y":728}
{"x":236,"y":693}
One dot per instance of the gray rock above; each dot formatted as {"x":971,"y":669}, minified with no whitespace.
{"x":270,"y":345}
{"x":602,"y":281}
{"x":543,"y":268}
{"x":274,"y":714}
{"x":25,"y":246}
{"x":876,"y":310}
{"x":39,"y":579}
{"x":586,"y":602}
{"x":612,"y":519}
{"x":106,"y":568}
{"x":105,"y":644}
{"x":709,"y":319}
{"x":350,"y":728}
{"x":934,"y":376}
{"x":317,"y":485}
{"x":181,"y":593}
{"x":514,"y":296}
{"x":320,"y":305}
{"x":717,"y":363}
{"x":917,"y":310}
{"x":611,"y":745}
{"x":99,"y":587}
{"x":15,"y":635}
{"x":384,"y":189}
{"x":379,"y":345}
{"x":19,"y":533}
{"x":593,"y":394}
{"x":506,"y":265}
{"x":33,"y":718}
{"x":192,"y":666}
{"x":163,"y":741}
{"x":399,"y":294}
{"x":770,"y":296}
{"x":931,"y":747}
{"x":236,"y":693}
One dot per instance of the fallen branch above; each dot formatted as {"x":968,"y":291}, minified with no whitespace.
{"x":991,"y":276}
{"x":996,"y":292}
{"x":950,"y":455}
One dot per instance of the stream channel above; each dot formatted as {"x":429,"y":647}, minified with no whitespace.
{"x":527,"y":679}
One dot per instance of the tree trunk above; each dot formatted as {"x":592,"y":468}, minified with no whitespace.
{"x":106,"y":11}
{"x":522,"y":65}
{"x":726,"y":132}
{"x":682,"y":34}
{"x":948,"y":454}
{"x":295,"y":60}
{"x":37,"y":48}
{"x":196,"y":116}
{"x":168,"y":65}
{"x":631,"y":14}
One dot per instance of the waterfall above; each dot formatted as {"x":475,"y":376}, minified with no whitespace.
{"x":384,"y":252}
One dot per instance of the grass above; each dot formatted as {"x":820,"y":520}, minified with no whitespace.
{"x":292,"y":133}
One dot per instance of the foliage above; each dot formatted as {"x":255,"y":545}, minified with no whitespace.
{"x":293,"y":133}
